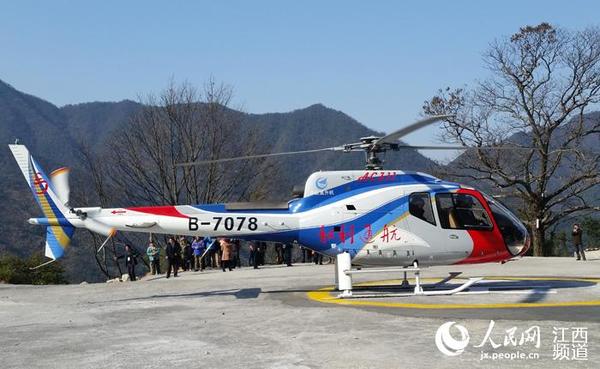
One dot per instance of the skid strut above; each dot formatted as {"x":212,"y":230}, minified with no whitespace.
{"x":344,"y":272}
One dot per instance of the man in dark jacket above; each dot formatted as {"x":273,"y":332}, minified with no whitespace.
{"x":130,"y":261}
{"x":237,"y":261}
{"x":173,"y":254}
{"x":577,"y":244}
{"x":287,"y":253}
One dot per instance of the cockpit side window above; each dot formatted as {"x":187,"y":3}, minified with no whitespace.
{"x":461,"y":211}
{"x":419,"y":205}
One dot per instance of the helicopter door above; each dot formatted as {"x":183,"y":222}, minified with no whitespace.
{"x":457,"y":214}
{"x":422,"y":225}
{"x":359,"y":235}
{"x":338,"y":231}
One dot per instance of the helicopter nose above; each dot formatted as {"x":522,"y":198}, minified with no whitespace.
{"x":527,"y":245}
{"x":515,"y":235}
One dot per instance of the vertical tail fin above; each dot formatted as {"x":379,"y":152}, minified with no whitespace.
{"x":58,"y":237}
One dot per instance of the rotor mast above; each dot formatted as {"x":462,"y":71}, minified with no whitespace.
{"x":372,"y":149}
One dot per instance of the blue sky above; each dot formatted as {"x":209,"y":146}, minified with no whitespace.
{"x":376,"y":61}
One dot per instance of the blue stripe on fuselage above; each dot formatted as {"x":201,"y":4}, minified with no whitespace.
{"x":312,"y":237}
{"x":376,"y":218}
{"x":336,"y":194}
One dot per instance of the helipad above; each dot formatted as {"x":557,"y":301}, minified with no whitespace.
{"x":279,"y":317}
{"x":383,"y":294}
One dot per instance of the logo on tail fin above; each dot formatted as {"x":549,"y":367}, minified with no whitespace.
{"x":40,"y":184}
{"x":58,"y":237}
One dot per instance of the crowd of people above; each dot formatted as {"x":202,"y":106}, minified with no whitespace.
{"x":225,"y":253}
{"x":200,"y":253}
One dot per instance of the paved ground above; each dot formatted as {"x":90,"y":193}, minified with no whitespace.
{"x":273,"y":318}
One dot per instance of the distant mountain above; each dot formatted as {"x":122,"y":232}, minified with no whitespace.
{"x":317,"y":127}
{"x":590,"y":143}
{"x":52,"y":134}
{"x":44,"y":128}
{"x":28,"y":117}
{"x":97,"y":120}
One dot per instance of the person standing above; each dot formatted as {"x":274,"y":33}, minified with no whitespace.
{"x":153,"y":253}
{"x":317,"y":258}
{"x":577,"y":234}
{"x":130,"y":262}
{"x":212,"y":245}
{"x":253,"y":257}
{"x":258,"y":249}
{"x":173,"y":254}
{"x":262,"y":253}
{"x":279,"y":252}
{"x":198,"y":248}
{"x":287,"y":253}
{"x":237,"y":244}
{"x":209,"y":258}
{"x":226,"y":254}
{"x":304,"y":253}
{"x":188,"y":254}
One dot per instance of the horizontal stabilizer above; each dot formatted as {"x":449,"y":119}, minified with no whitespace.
{"x":58,"y":239}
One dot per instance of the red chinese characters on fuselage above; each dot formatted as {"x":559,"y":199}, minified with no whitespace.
{"x":342,"y":234}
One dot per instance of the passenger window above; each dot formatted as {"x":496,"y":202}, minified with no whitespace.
{"x":461,"y":211}
{"x":419,"y":205}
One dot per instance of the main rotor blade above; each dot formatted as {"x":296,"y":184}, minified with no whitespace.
{"x":257,"y":156}
{"x":480,"y":148}
{"x":395,"y":136}
{"x":465,"y":147}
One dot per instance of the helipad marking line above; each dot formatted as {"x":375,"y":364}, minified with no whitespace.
{"x":323,"y":295}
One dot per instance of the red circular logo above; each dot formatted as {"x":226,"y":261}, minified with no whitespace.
{"x":40,"y":184}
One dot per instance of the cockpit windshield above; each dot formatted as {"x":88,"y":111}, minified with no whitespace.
{"x":512,"y":229}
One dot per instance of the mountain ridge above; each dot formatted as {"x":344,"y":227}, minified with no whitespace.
{"x":53,"y":134}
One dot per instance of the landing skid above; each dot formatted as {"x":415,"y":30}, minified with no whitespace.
{"x":344,"y":274}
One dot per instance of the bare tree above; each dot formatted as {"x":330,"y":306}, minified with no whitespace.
{"x":182,"y":125}
{"x":97,"y":193}
{"x":138,"y":164}
{"x":543,"y":82}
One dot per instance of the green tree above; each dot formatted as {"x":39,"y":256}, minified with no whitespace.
{"x":591,"y":228}
{"x":15,"y":270}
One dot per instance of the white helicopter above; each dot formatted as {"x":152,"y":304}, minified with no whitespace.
{"x":371,"y":217}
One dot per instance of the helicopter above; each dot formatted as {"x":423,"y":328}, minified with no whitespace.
{"x":364,"y":218}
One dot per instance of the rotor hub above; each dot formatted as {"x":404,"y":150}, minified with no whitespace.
{"x":372,"y":146}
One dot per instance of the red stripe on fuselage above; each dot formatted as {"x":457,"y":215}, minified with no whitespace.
{"x":169,"y":211}
{"x":488,"y":246}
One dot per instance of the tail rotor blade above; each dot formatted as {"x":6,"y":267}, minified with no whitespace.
{"x":60,"y":180}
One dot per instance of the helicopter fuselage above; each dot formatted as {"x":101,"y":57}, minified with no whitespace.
{"x":381,"y":218}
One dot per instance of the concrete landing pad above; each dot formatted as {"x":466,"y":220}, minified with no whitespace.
{"x":280,"y":317}
{"x":517,"y":298}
